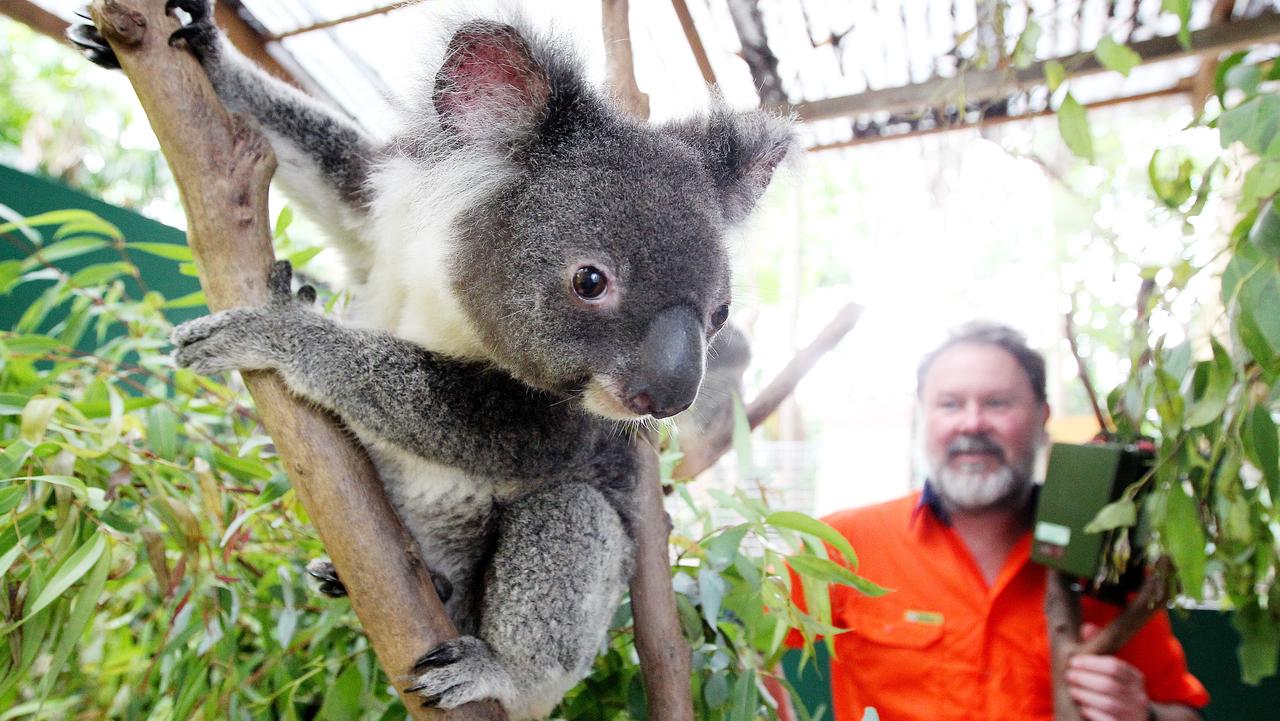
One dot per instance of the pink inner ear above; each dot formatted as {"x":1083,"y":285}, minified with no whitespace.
{"x":487,"y":77}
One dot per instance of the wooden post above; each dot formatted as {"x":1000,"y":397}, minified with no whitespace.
{"x":222,"y":165}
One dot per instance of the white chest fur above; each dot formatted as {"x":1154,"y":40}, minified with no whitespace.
{"x":412,"y":235}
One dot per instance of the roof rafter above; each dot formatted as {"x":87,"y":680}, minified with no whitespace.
{"x":326,"y":24}
{"x":986,"y":85}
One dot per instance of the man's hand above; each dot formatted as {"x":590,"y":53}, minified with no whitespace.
{"x":1108,"y":689}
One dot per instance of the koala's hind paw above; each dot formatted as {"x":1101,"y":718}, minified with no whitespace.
{"x":458,"y":672}
{"x":327,"y":576}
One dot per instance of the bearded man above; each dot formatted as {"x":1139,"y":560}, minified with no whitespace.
{"x":963,"y":636}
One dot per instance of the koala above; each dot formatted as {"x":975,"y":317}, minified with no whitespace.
{"x":533,"y":271}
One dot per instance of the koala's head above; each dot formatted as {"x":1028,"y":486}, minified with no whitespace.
{"x":601,"y":268}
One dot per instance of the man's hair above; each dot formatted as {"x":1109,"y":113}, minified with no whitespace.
{"x":980,"y":332}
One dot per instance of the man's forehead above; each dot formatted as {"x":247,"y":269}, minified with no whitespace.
{"x":976,"y":368}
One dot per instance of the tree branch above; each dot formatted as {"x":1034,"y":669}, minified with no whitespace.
{"x":1062,"y":613}
{"x":757,"y":53}
{"x":1083,"y":370}
{"x":619,"y":62}
{"x":223,"y":165}
{"x":716,"y":441}
{"x":665,"y":657}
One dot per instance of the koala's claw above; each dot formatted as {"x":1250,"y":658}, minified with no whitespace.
{"x":457,"y":672}
{"x":441,"y":655}
{"x":199,"y":32}
{"x":197,"y":9}
{"x":324,"y":572}
{"x":91,"y":43}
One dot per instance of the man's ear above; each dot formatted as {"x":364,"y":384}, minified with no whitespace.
{"x":490,"y":87}
{"x":740,"y":151}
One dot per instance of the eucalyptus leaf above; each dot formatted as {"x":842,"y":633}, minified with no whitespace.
{"x":722,"y":549}
{"x":1054,"y":75}
{"x":794,"y":521}
{"x":70,"y":571}
{"x":1259,"y":643}
{"x":831,"y":572}
{"x":1073,"y":125}
{"x":1185,"y":539}
{"x":64,"y":249}
{"x":711,"y":590}
{"x":1117,"y":514}
{"x":1116,"y":56}
{"x":1254,"y":123}
{"x":169,"y":251}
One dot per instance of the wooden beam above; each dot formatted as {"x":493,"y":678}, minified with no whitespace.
{"x":248,"y":41}
{"x":36,"y":18}
{"x":1182,"y":87}
{"x":695,"y":42}
{"x":983,"y":85}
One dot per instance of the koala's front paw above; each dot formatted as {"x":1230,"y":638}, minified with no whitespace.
{"x":458,"y":672}
{"x":247,"y":338}
{"x":200,"y":34}
{"x":230,"y":340}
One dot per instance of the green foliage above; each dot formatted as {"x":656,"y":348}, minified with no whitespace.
{"x":1115,"y":56}
{"x":1210,"y":404}
{"x":64,"y":118}
{"x":150,"y":546}
{"x":733,"y":595}
{"x":1074,"y":126}
{"x":151,"y":549}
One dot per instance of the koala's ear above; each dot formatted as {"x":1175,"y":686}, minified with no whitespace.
{"x":490,"y":86}
{"x":740,"y":151}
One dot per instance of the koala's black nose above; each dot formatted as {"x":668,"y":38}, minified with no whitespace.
{"x":642,"y":404}
{"x":670,"y":365}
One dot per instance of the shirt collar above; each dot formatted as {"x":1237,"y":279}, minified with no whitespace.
{"x":931,"y":502}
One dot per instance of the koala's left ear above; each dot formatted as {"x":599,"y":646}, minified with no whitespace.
{"x":740,"y":151}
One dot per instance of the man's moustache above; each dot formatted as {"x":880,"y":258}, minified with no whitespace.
{"x":973,"y":444}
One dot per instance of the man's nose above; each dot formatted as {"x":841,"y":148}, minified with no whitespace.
{"x":973,"y":418}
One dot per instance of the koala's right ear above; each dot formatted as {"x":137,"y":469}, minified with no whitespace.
{"x":740,"y":151}
{"x":490,"y":87}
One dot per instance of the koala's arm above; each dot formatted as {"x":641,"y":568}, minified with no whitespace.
{"x":322,"y":154}
{"x":324,"y":157}
{"x":387,"y":389}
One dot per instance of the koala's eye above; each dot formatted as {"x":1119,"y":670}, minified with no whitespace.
{"x":589,"y":282}
{"x":719,"y":317}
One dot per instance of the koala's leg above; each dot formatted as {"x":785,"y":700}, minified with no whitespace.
{"x":557,"y":574}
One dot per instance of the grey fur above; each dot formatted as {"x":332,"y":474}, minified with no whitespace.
{"x":486,"y":388}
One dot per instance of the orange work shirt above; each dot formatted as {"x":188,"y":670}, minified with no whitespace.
{"x":943,"y":645}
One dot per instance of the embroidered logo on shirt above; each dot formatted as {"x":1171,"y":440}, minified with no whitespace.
{"x":928,"y":618}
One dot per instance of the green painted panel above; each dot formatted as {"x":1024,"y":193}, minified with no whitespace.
{"x":29,"y":195}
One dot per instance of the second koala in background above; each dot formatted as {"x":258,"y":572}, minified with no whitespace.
{"x":532,"y":268}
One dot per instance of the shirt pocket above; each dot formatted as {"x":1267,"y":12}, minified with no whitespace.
{"x":894,"y":660}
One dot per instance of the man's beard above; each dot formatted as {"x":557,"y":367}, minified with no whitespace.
{"x":978,"y":489}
